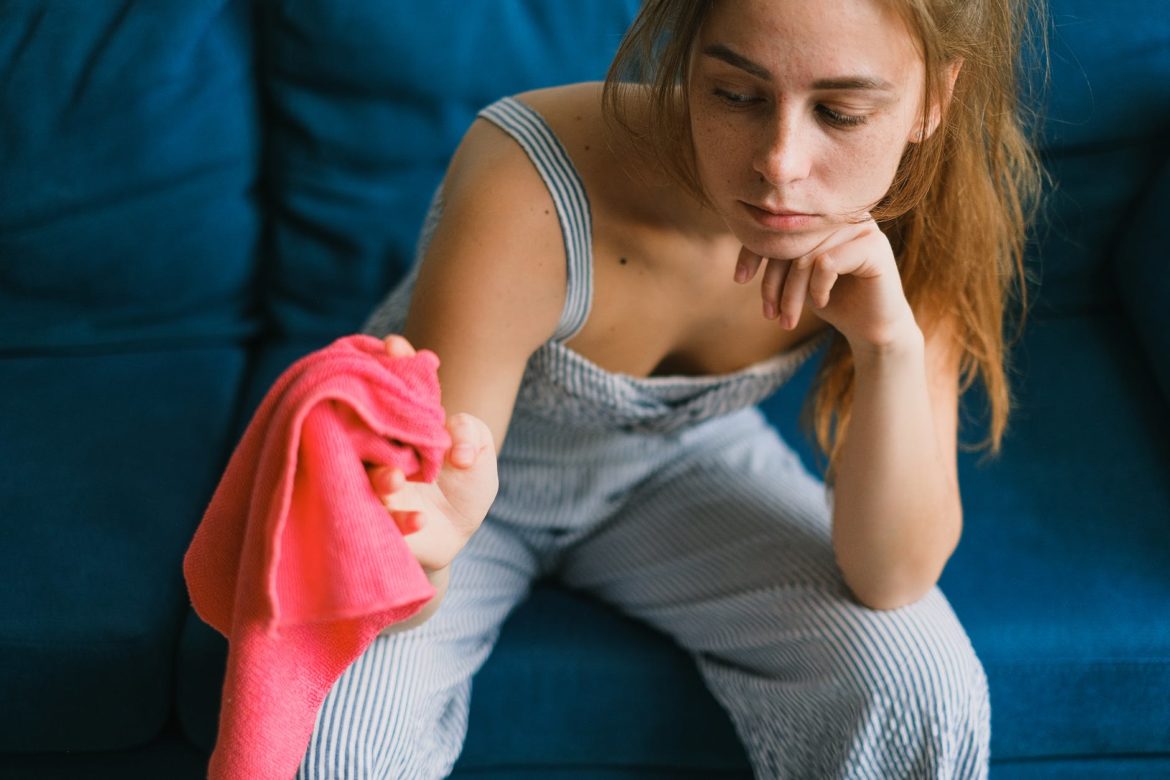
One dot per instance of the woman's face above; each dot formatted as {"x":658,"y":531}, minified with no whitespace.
{"x":800,"y":113}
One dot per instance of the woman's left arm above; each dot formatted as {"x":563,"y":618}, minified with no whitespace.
{"x":897,"y":514}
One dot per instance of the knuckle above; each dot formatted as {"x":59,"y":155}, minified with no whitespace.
{"x":462,"y":425}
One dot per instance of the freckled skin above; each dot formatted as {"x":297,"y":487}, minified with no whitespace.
{"x":779,"y":148}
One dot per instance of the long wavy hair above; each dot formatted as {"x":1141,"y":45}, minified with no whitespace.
{"x":958,"y":211}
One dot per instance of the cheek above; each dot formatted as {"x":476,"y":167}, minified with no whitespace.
{"x":717,"y":152}
{"x":864,"y":170}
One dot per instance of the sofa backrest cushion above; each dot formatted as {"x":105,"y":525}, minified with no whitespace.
{"x":1142,"y":267}
{"x":128,"y":149}
{"x":365,"y":103}
{"x":1105,"y":120}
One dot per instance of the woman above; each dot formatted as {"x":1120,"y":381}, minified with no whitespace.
{"x":587,"y":278}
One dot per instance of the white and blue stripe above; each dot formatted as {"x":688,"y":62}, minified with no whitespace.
{"x":552,"y":162}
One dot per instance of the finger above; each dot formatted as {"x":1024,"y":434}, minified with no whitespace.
{"x":795,"y":290}
{"x":386,"y":479}
{"x":775,"y":279}
{"x":466,"y":439}
{"x":747,"y":265}
{"x":408,"y":522}
{"x":823,"y":278}
{"x":398,"y":346}
{"x":434,"y":545}
{"x":401,"y":501}
{"x":846,"y":233}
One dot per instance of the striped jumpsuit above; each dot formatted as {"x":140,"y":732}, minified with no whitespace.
{"x":672,"y":499}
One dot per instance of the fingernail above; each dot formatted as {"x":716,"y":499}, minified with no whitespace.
{"x":464,"y":453}
{"x":740,"y":273}
{"x":409,"y":523}
{"x":769,"y":310}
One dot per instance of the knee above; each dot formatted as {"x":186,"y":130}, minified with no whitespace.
{"x":393,"y":713}
{"x":923,"y":679}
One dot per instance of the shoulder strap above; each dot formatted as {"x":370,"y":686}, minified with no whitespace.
{"x":552,"y":162}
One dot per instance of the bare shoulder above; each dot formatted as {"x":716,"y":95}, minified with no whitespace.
{"x":574,"y":113}
{"x":567,"y":106}
{"x":491,"y":284}
{"x":617,"y":177}
{"x":499,"y":227}
{"x":575,"y":110}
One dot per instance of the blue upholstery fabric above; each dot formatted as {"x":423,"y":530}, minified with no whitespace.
{"x":1061,"y":576}
{"x":1102,"y":128}
{"x":1142,"y":269}
{"x":108,"y":463}
{"x":364,"y":117}
{"x":127,"y":150}
{"x":169,"y":756}
{"x":572,"y":647}
{"x":1089,"y":101}
{"x":1068,"y":546}
{"x":202,"y":651}
{"x":128,"y":146}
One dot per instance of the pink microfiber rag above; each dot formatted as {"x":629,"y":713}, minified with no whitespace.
{"x":296,"y":561}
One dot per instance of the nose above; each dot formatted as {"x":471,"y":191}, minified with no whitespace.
{"x":785,"y":152}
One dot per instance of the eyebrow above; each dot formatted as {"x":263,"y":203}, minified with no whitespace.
{"x":722,"y":52}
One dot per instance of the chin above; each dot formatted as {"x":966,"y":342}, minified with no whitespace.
{"x":783,"y":245}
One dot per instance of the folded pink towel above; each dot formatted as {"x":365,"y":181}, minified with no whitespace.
{"x":296,"y":561}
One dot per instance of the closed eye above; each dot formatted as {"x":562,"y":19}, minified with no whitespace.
{"x":838,"y":119}
{"x":736,"y":99}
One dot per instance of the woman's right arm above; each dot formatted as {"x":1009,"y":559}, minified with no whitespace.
{"x":490,"y":291}
{"x":491,"y":286}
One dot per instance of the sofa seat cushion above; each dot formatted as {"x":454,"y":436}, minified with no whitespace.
{"x":108,"y":462}
{"x":168,"y":757}
{"x":202,"y":651}
{"x":569,"y":674}
{"x":566,"y":676}
{"x":1063,"y":576}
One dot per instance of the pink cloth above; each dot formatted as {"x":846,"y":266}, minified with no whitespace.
{"x":296,"y":561}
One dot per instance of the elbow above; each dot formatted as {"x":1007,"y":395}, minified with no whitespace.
{"x":887,"y":597}
{"x":886,"y":577}
{"x":892,"y":586}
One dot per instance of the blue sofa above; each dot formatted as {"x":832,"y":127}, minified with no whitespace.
{"x":193,"y":193}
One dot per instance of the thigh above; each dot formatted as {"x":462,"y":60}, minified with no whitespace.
{"x":736,"y":514}
{"x":729,"y":552}
{"x":400,"y":710}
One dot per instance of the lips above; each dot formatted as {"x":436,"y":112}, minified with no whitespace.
{"x":780,"y":211}
{"x":778,"y":217}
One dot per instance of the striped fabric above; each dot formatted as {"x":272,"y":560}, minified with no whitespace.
{"x":568,"y":194}
{"x":675,"y":501}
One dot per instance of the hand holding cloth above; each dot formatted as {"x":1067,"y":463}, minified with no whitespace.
{"x":296,"y":560}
